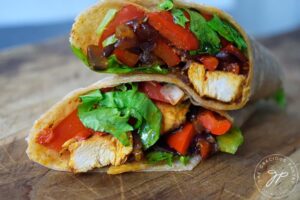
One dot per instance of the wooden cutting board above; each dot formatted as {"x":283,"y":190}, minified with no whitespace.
{"x":33,"y":78}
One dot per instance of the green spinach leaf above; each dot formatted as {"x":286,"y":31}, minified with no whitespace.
{"x":209,"y":39}
{"x":227,"y":31}
{"x":166,"y":5}
{"x":179,"y":17}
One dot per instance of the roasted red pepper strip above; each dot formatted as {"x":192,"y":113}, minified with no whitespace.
{"x":180,"y":37}
{"x":181,"y":140}
{"x":166,"y":53}
{"x":127,"y":13}
{"x":70,"y":127}
{"x":126,"y":57}
{"x":210,"y":62}
{"x":217,"y":125}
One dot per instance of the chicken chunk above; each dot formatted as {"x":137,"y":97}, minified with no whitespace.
{"x":219,"y":85}
{"x":173,"y":116}
{"x":97,"y":151}
{"x":223,"y":86}
{"x":196,"y":74}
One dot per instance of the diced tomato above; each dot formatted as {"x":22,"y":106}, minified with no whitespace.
{"x":166,"y":53}
{"x":127,"y":13}
{"x":70,"y":127}
{"x":152,"y":90}
{"x":181,"y":140}
{"x":126,"y":57}
{"x":217,"y":125}
{"x":180,"y":37}
{"x":235,"y":51}
{"x":210,"y":62}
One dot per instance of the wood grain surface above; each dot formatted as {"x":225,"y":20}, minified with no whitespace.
{"x":33,"y":78}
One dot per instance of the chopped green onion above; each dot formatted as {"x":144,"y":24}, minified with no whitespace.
{"x":110,"y":14}
{"x":110,"y":40}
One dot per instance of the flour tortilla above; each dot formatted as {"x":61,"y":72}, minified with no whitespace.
{"x":265,"y":74}
{"x":52,"y":159}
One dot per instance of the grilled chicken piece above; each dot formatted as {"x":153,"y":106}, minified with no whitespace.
{"x":173,"y":116}
{"x":97,"y":151}
{"x":196,"y":74}
{"x":223,"y":86}
{"x":219,"y":85}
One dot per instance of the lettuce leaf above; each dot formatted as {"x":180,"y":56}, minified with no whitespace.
{"x":179,"y":17}
{"x":230,"y":142}
{"x":114,"y":66}
{"x":110,"y":112}
{"x":80,"y":55}
{"x":209,"y":39}
{"x":166,"y":5}
{"x":227,"y":31}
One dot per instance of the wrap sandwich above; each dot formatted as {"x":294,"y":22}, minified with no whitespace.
{"x":131,"y":123}
{"x":200,"y":45}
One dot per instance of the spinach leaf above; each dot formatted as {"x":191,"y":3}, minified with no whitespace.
{"x":209,"y":39}
{"x":227,"y":31}
{"x":159,"y":156}
{"x":114,"y":66}
{"x":166,"y":5}
{"x":120,"y":106}
{"x":230,"y":141}
{"x":80,"y":55}
{"x":179,"y":17}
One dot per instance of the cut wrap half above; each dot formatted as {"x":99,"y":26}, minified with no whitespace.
{"x":131,"y":123}
{"x":201,"y":45}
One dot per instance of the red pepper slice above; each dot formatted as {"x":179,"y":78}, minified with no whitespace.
{"x":166,"y":53}
{"x":126,"y":57}
{"x":210,"y":62}
{"x":181,"y":140}
{"x":217,"y":125}
{"x":180,"y":37}
{"x":127,"y":13}
{"x":70,"y":127}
